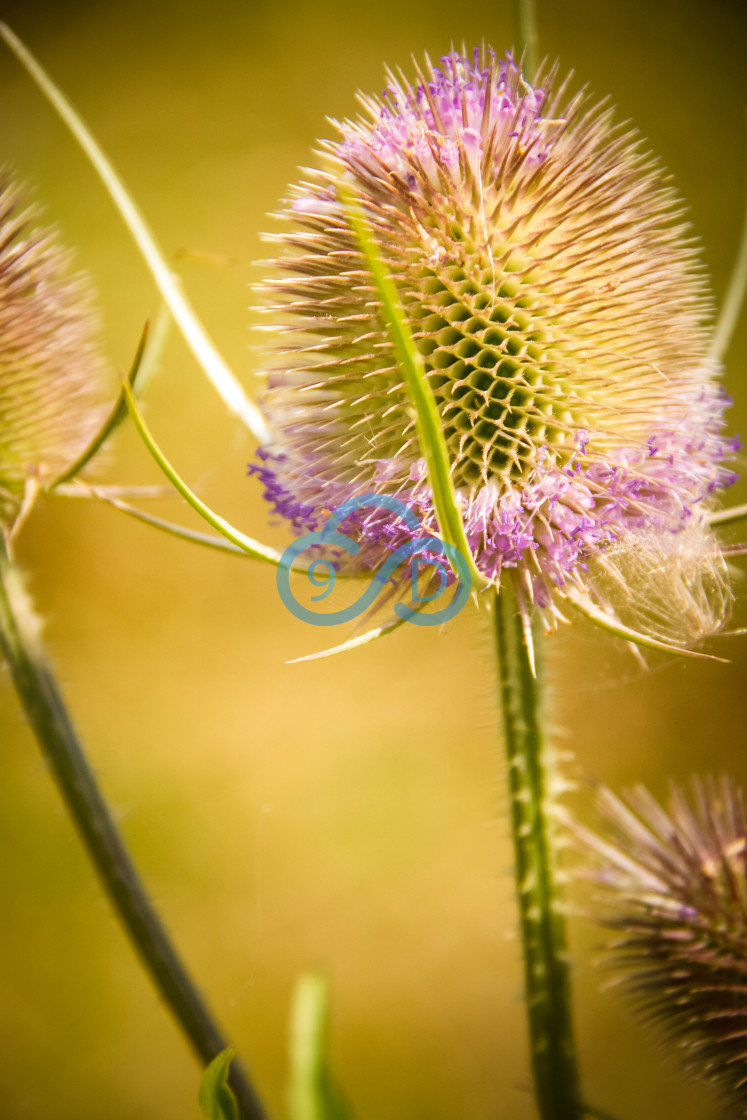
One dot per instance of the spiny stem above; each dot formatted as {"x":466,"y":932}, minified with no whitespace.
{"x":50,"y":722}
{"x":547,"y":977}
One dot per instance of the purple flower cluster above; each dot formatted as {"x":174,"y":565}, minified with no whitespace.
{"x":442,"y":121}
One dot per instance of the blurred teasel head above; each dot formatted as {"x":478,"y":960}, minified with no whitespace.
{"x":51,"y":371}
{"x":562,"y":315}
{"x":674,"y":882}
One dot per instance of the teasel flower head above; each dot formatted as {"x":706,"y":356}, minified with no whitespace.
{"x":51,"y":372}
{"x":674,"y":887}
{"x":562,"y":315}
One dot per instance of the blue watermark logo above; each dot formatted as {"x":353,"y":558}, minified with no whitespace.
{"x":422,"y":552}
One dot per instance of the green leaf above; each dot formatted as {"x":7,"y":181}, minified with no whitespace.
{"x":216,"y":1099}
{"x":223,"y":379}
{"x":312,"y":1093}
{"x":428,"y":421}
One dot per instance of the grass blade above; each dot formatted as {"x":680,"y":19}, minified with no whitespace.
{"x":733,"y":301}
{"x":312,"y":1094}
{"x":528,"y":38}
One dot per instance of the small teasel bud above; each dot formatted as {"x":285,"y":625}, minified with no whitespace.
{"x":52,"y":376}
{"x":674,"y":887}
{"x":562,"y":315}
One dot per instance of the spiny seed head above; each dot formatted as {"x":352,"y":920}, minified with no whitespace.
{"x":675,"y":886}
{"x":51,"y":372}
{"x":561,"y":313}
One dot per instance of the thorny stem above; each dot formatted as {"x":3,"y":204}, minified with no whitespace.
{"x":49,"y":719}
{"x":546,"y":970}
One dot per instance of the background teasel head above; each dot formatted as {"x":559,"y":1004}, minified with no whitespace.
{"x":675,"y":885}
{"x":51,"y":371}
{"x":563,"y":318}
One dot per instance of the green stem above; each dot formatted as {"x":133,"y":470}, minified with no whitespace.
{"x":46,"y":712}
{"x":547,"y":977}
{"x":733,"y":300}
{"x":528,"y":39}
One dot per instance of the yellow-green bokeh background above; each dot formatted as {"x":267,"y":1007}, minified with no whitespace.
{"x":347,"y":815}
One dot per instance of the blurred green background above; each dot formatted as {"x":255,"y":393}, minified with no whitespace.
{"x":347,"y":815}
